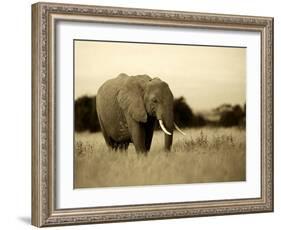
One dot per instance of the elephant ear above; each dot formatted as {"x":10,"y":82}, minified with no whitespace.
{"x":130,"y":98}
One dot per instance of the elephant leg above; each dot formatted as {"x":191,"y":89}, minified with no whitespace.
{"x":168,"y":142}
{"x":114,"y":145}
{"x":109,"y":142}
{"x":123,"y":146}
{"x":120,"y":146}
{"x":137,"y":132}
{"x":138,"y":137}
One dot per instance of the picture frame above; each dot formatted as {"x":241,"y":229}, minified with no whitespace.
{"x":45,"y":17}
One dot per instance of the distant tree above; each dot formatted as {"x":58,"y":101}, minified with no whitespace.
{"x":223,"y":108}
{"x":94,"y":123}
{"x":238,"y":111}
{"x":86,"y":118}
{"x":183,"y":114}
{"x":228,"y":119}
{"x":232,"y":117}
{"x":199,"y":120}
{"x":243,"y":120}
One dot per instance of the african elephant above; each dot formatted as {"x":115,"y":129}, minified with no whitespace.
{"x":128,"y":107}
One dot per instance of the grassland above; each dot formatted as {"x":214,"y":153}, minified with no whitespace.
{"x":203,"y":155}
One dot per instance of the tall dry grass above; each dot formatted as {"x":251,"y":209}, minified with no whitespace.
{"x":203,"y":155}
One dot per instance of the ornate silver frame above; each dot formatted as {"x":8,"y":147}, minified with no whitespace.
{"x":44,"y":17}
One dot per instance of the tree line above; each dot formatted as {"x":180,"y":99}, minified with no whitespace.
{"x":226,"y":115}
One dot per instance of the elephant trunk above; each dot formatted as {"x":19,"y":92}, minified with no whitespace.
{"x":168,"y":142}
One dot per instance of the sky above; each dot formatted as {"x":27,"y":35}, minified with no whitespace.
{"x":206,"y":76}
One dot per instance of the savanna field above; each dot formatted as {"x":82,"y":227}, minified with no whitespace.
{"x":203,"y":155}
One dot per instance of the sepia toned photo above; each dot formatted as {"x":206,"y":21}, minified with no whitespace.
{"x":143,"y":114}
{"x":158,"y":114}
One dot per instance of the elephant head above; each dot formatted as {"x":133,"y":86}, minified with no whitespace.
{"x":144,"y":98}
{"x":158,"y":101}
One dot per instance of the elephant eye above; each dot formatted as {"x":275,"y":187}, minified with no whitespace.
{"x":154,"y":100}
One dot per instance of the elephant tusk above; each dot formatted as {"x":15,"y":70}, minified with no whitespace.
{"x":177,"y":128}
{"x":163,"y":128}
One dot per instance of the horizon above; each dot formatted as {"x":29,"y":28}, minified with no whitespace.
{"x":216,"y":75}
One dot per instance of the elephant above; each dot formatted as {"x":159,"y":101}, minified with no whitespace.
{"x":128,"y":107}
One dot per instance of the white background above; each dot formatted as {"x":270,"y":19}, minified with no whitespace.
{"x":15,"y":116}
{"x":69,"y":198}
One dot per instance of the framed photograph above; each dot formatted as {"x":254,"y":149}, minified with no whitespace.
{"x":142,"y":114}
